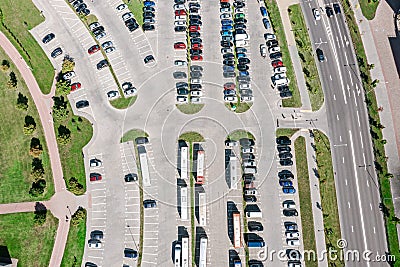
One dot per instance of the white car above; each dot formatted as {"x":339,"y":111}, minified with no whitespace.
{"x":269,"y":36}
{"x":226,"y":50}
{"x":130,"y":91}
{"x":109,"y":50}
{"x":195,"y":100}
{"x":69,"y":75}
{"x":274,"y":49}
{"x":100,"y":35}
{"x":94,"y":25}
{"x":126,"y":85}
{"x":107,"y":44}
{"x":263,"y":50}
{"x":179,"y":7}
{"x":244,"y":86}
{"x":288,"y":204}
{"x":279,"y":76}
{"x":196,"y":93}
{"x":292,"y":234}
{"x":127,"y":16}
{"x":112,"y":94}
{"x":239,"y":10}
{"x":181,"y":17}
{"x":225,"y":16}
{"x":249,"y":164}
{"x":280,"y":69}
{"x":247,"y":150}
{"x":293,"y":242}
{"x":230,"y":98}
{"x":317,"y":14}
{"x":95,"y":163}
{"x":246,"y":98}
{"x":180,"y":63}
{"x":230,"y":143}
{"x":180,"y":23}
{"x":241,"y":43}
{"x":182,"y":99}
{"x":121,"y":7}
{"x":225,"y":10}
{"x":195,"y":81}
{"x":94,"y":243}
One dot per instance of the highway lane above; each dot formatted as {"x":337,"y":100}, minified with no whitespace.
{"x":357,"y":191}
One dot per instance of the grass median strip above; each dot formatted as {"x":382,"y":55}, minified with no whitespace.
{"x":303,"y":180}
{"x":306,"y":55}
{"x":285,"y":132}
{"x":328,"y":195}
{"x":276,"y":22}
{"x":136,"y":7}
{"x":17,"y":19}
{"x":368,"y":8}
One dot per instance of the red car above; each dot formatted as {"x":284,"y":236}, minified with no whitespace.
{"x":229,"y":86}
{"x":180,"y":12}
{"x":194,"y":28}
{"x":196,"y":58}
{"x":277,"y":63}
{"x":95,"y":177}
{"x":75,"y":86}
{"x":180,"y":45}
{"x":197,"y":46}
{"x":93,"y":49}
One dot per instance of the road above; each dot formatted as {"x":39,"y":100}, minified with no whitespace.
{"x":358,"y":197}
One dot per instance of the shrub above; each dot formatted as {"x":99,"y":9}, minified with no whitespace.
{"x":37,"y":171}
{"x":74,"y":186}
{"x":64,"y":135}
{"x":68,"y":64}
{"x":5,"y":65}
{"x":37,"y":188}
{"x":60,"y":111}
{"x":63,"y":87}
{"x":78,"y":216}
{"x":22,"y":102}
{"x":30,"y":125}
{"x":36,"y":148}
{"x":40,"y":216}
{"x":12,"y":83}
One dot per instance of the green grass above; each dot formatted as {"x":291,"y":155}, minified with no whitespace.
{"x":75,"y":246}
{"x":131,"y":135}
{"x":285,"y":132}
{"x":368,"y":8}
{"x":31,"y":245}
{"x":90,"y":19}
{"x":276,"y":22}
{"x":306,"y":55}
{"x":136,"y":7}
{"x":123,"y":102}
{"x":303,"y":180}
{"x":20,"y":17}
{"x":239,"y":134}
{"x":376,"y":133}
{"x":189,"y":108}
{"x":16,"y":161}
{"x":191,"y":137}
{"x":240,"y":106}
{"x":328,"y":194}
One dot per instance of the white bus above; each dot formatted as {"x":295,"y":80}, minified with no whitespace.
{"x":237,"y":230}
{"x":203,"y":252}
{"x":184,"y":162}
{"x":233,"y":171}
{"x":200,"y":167}
{"x":185,"y":251}
{"x":202,"y":209}
{"x":144,"y":166}
{"x":184,"y":203}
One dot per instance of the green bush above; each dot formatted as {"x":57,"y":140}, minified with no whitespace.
{"x":79,"y":216}
{"x":75,"y":187}
{"x":37,"y":188}
{"x":40,"y":216}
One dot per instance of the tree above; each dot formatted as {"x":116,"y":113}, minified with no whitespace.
{"x":78,"y":216}
{"x":5,"y":65}
{"x":36,"y":148}
{"x":63,"y":87}
{"x":22,"y":102}
{"x":40,"y":215}
{"x":37,"y":171}
{"x":68,"y":64}
{"x":60,"y":111}
{"x":30,"y":125}
{"x":37,"y":188}
{"x":12,"y":83}
{"x":75,"y":187}
{"x":64,"y":135}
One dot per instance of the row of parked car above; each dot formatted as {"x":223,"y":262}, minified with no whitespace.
{"x":128,"y":18}
{"x":79,"y":6}
{"x":149,"y":16}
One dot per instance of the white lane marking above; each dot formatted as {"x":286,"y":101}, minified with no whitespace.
{"x":352,"y":229}
{"x":362,"y":143}
{"x":374,"y":230}
{"x":358,"y":119}
{"x":334,"y":97}
{"x":330,"y":77}
{"x":340,"y":138}
{"x":367,"y":183}
{"x":348,"y":90}
{"x":365,"y":165}
{"x":355,"y":100}
{"x":346,"y":181}
{"x":348,"y":203}
{"x":370,"y":205}
{"x":351,"y":78}
{"x":343,"y":160}
{"x":345,"y":56}
{"x":358,"y":90}
{"x":358,"y":193}
{"x":337,"y":116}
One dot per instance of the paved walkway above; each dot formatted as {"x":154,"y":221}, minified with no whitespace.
{"x":298,"y":69}
{"x":377,"y":33}
{"x":62,"y":198}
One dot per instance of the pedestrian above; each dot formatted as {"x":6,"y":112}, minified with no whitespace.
{"x":66,"y":218}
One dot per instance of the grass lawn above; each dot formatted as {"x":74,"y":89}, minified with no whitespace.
{"x":136,"y":7}
{"x":90,"y":19}
{"x":240,"y":106}
{"x":368,"y":8}
{"x":20,"y":17}
{"x":303,"y":180}
{"x":75,"y":246}
{"x":285,"y":132}
{"x":189,"y":108}
{"x":276,"y":22}
{"x":123,"y":102}
{"x":131,"y":135}
{"x":191,"y":137}
{"x":328,"y":194}
{"x":239,"y":134}
{"x":306,"y":55}
{"x":15,"y":167}
{"x":31,"y":245}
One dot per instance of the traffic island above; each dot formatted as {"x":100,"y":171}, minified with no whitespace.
{"x":123,"y":102}
{"x":190,"y":108}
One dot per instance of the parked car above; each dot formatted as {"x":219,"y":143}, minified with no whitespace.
{"x":69,"y":75}
{"x":48,"y":37}
{"x":130,"y":177}
{"x":148,"y":59}
{"x":130,"y":253}
{"x":95,"y":162}
{"x":289,"y":204}
{"x":82,"y":104}
{"x":285,"y":174}
{"x":283,"y":140}
{"x":149,"y":203}
{"x":267,"y":24}
{"x":95,"y":176}
{"x":102,"y":64}
{"x":290,"y":212}
{"x":94,"y":243}
{"x":288,"y":190}
{"x":56,"y":52}
{"x":255,"y":226}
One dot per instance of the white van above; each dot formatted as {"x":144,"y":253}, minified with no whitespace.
{"x":177,"y":255}
{"x":254,"y":214}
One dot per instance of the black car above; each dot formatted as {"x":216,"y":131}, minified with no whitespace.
{"x":196,"y":74}
{"x":255,"y":226}
{"x":291,"y":226}
{"x":272,"y":43}
{"x":329,"y":11}
{"x":238,"y":4}
{"x":285,"y":155}
{"x":226,"y":44}
{"x":283,"y":148}
{"x":179,"y":2}
{"x":290,"y":212}
{"x":249,"y":177}
{"x":283,"y":88}
{"x":275,"y":55}
{"x":193,"y":10}
{"x":320,"y":55}
{"x":102,"y":64}
{"x":228,"y":55}
{"x":194,"y":17}
{"x":82,"y":104}
{"x":56,"y":52}
{"x":180,"y":28}
{"x":133,"y":27}
{"x":229,"y":74}
{"x":243,"y":60}
{"x":194,"y":5}
{"x":77,"y":3}
{"x":286,"y":162}
{"x":97,"y":30}
{"x":240,"y":20}
{"x":195,"y":86}
{"x":80,"y":7}
{"x":285,"y":94}
{"x":148,"y":59}
{"x":85,"y":12}
{"x":293,"y":254}
{"x":180,"y":85}
{"x":225,"y":5}
{"x":243,"y":79}
{"x":246,"y":142}
{"x":149,"y":203}
{"x":194,"y":34}
{"x":141,"y":140}
{"x":196,"y":51}
{"x":242,"y":67}
{"x":48,"y":38}
{"x":248,"y":156}
{"x":130,"y":253}
{"x":148,"y":15}
{"x":241,"y":50}
{"x":283,"y":140}
{"x":196,"y":40}
{"x":148,"y":27}
{"x":96,"y":234}
{"x":130,"y":177}
{"x":336,"y":7}
{"x":130,"y":21}
{"x":240,"y":26}
{"x":229,"y":62}
{"x":250,"y":198}
{"x":240,"y":31}
{"x":195,"y":22}
{"x":285,"y":174}
{"x":196,"y":68}
{"x":148,"y":9}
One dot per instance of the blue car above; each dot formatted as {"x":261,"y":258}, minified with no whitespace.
{"x":225,"y":22}
{"x":226,"y":33}
{"x":285,"y":183}
{"x":288,"y":190}
{"x":227,"y":28}
{"x":244,"y":73}
{"x":149,"y":3}
{"x":228,"y":68}
{"x":266,"y":23}
{"x":240,"y":55}
{"x":264,"y":11}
